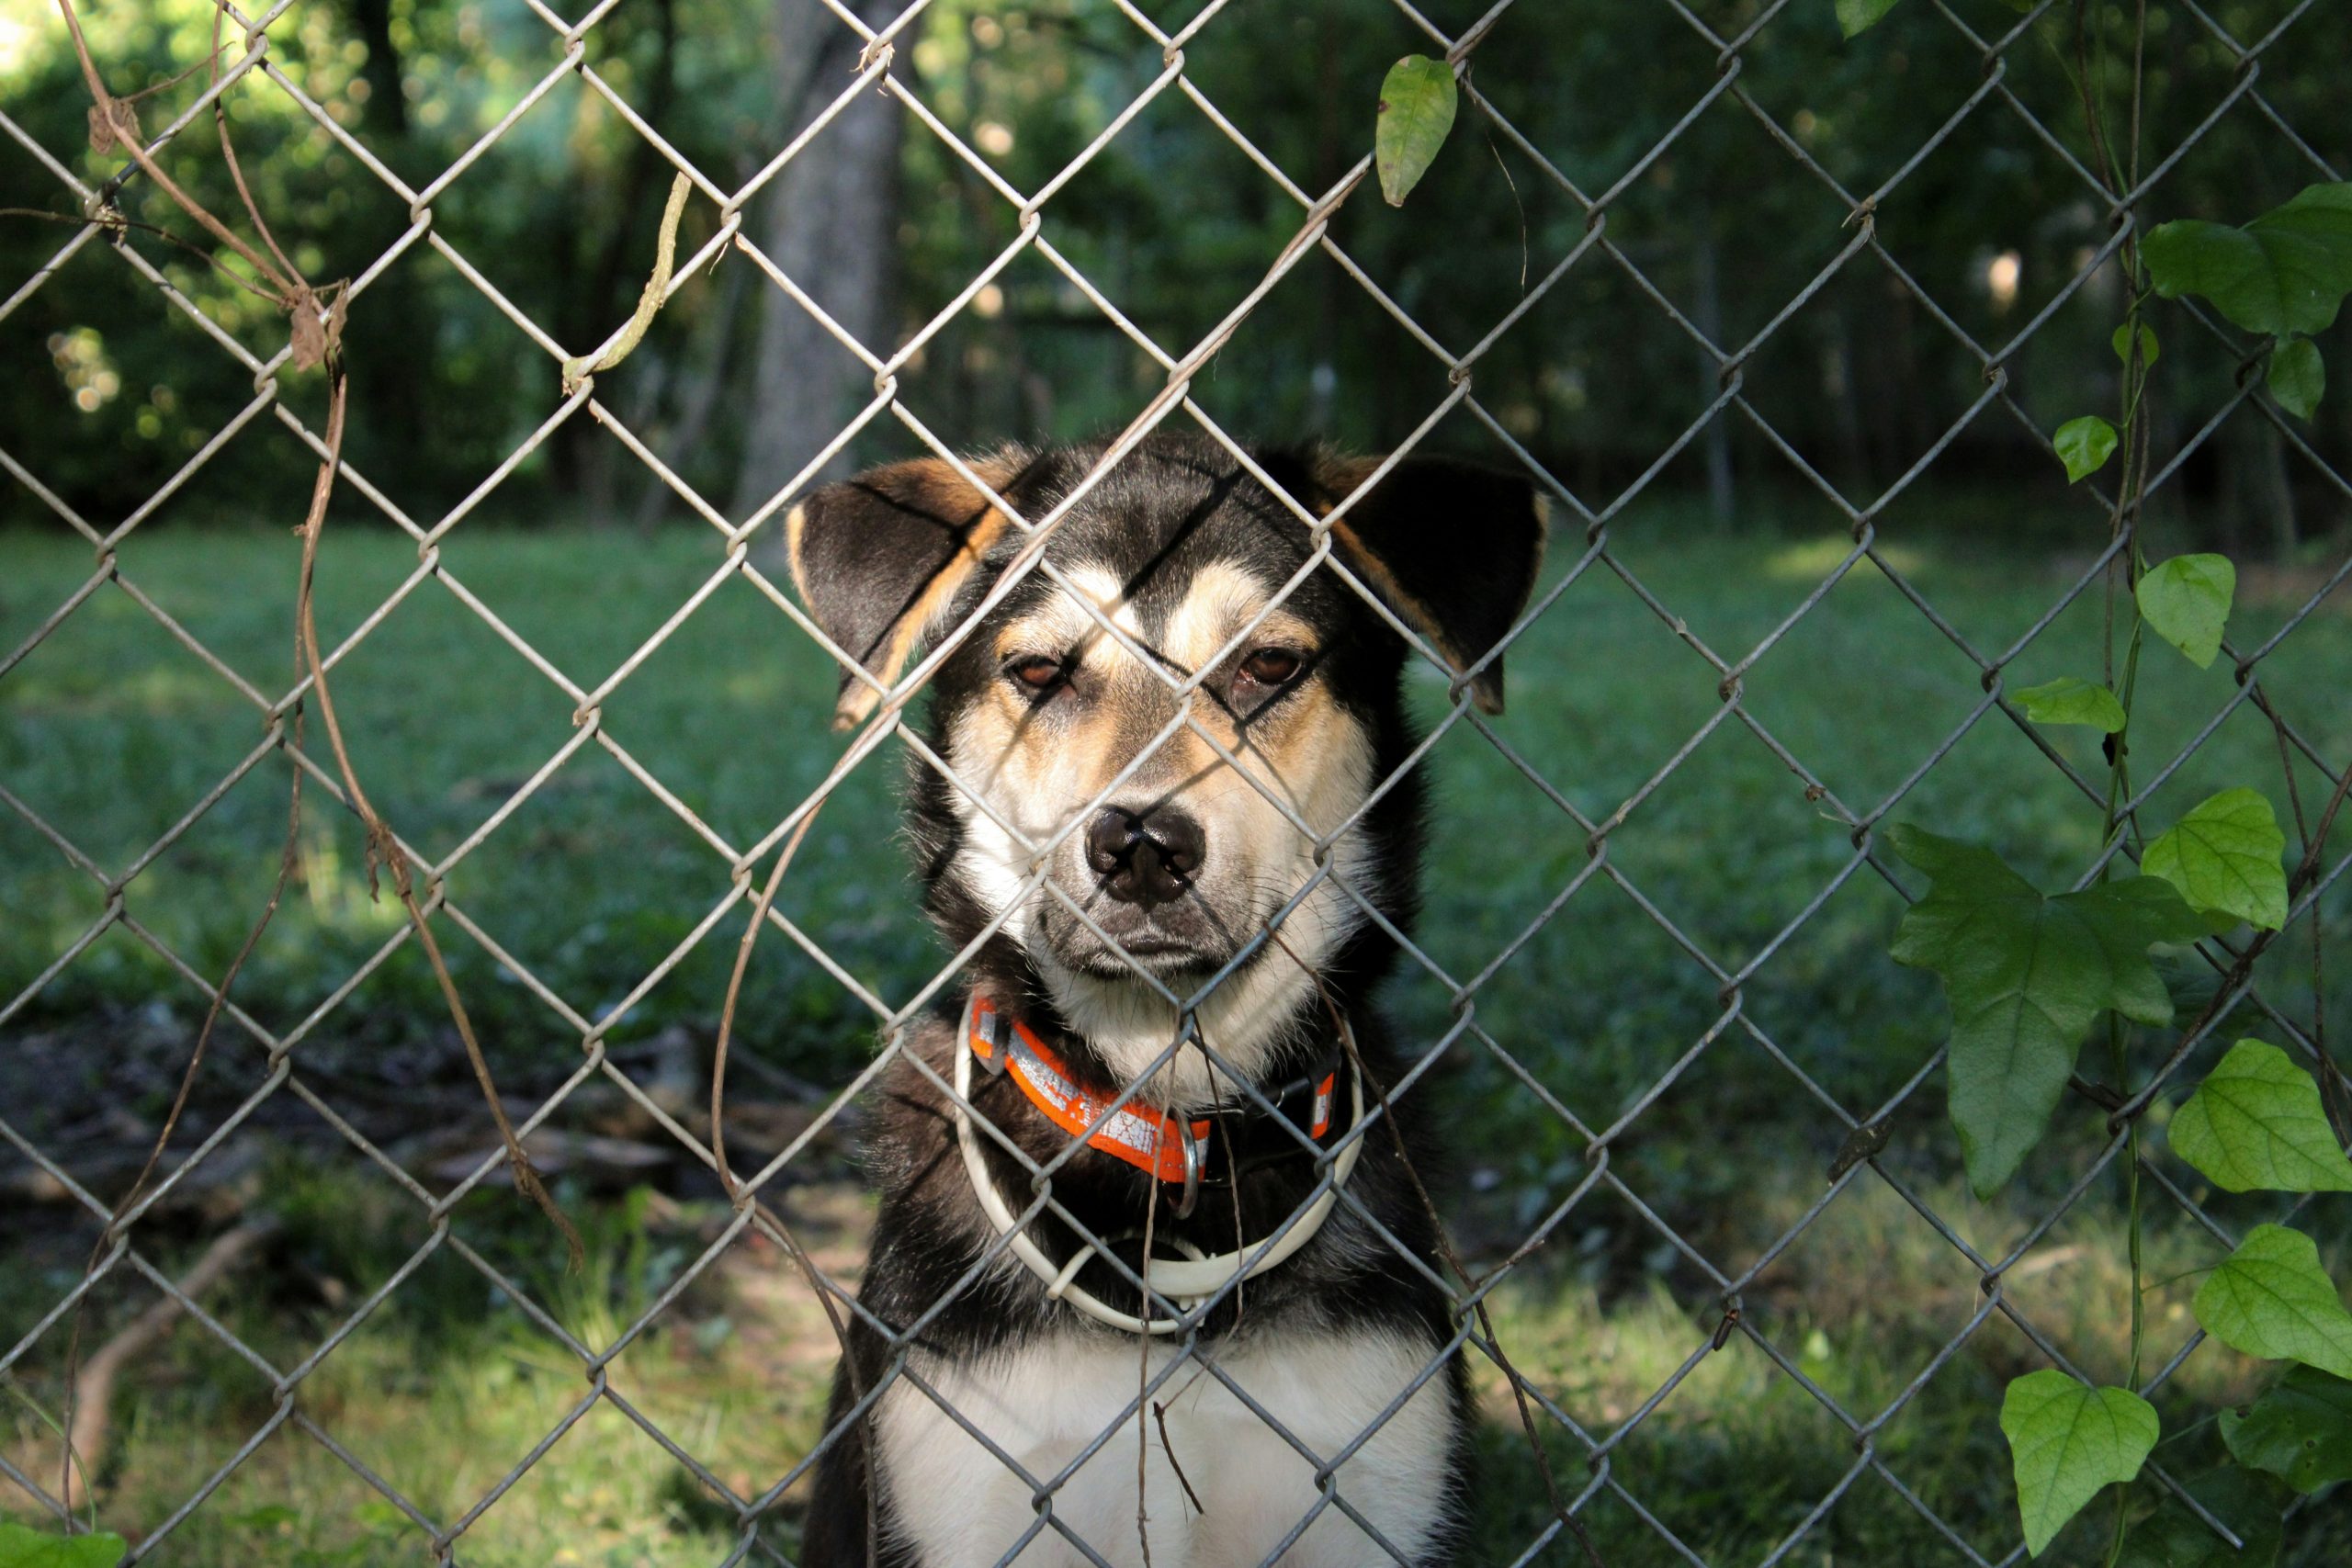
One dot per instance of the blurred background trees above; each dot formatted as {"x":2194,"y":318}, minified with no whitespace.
{"x":884,"y":224}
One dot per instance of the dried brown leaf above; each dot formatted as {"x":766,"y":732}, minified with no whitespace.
{"x":115,"y":120}
{"x":317,"y":329}
{"x":310,"y":333}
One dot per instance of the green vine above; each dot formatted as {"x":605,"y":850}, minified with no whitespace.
{"x":2028,"y":976}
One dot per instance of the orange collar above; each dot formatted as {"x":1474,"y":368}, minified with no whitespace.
{"x":1144,"y":1137}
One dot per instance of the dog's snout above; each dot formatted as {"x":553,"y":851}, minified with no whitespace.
{"x":1145,"y":860}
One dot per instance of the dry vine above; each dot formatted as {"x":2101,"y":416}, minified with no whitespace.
{"x":316,"y":316}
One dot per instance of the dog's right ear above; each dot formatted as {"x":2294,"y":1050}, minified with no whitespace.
{"x":879,"y":559}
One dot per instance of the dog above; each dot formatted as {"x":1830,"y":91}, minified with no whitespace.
{"x":1270,"y":845}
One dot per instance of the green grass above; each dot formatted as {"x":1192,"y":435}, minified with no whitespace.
{"x":111,"y":731}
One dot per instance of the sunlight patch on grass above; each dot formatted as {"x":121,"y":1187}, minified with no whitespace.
{"x":1810,"y":560}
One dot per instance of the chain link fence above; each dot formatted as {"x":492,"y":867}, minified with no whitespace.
{"x":1583,"y":532}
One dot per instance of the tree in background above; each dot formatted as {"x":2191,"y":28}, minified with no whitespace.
{"x":1726,"y":218}
{"x":829,"y":224}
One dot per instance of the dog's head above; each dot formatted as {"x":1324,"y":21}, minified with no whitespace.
{"x":1158,"y":738}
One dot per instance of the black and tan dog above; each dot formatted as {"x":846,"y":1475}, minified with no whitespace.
{"x":1166,"y":851}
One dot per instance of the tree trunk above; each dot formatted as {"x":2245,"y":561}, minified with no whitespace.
{"x":829,"y":222}
{"x":389,"y":399}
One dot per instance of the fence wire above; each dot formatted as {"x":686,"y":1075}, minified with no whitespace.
{"x":1580,"y":523}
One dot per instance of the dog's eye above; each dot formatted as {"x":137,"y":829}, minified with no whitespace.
{"x":1270,"y":666}
{"x":1039,"y":675}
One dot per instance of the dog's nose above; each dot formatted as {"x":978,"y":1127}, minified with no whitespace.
{"x":1145,"y":860}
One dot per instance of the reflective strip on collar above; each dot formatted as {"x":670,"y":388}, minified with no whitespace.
{"x":1143,"y":1137}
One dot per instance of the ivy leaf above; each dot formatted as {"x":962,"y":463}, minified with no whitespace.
{"x":2122,"y":341}
{"x":2224,"y":856}
{"x":2272,"y":1298}
{"x":1857,"y":16}
{"x":24,"y":1548}
{"x":2187,"y":600}
{"x":2070,"y":699}
{"x":1416,"y":104}
{"x":2172,"y":1537}
{"x":2026,"y":974}
{"x":2083,"y":445}
{"x":2066,"y":1440}
{"x":2300,"y":1430}
{"x":2255,"y":1125}
{"x":2297,"y":377}
{"x":2285,"y":272}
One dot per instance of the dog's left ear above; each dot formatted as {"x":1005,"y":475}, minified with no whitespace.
{"x":1452,"y":547}
{"x":879,"y":559}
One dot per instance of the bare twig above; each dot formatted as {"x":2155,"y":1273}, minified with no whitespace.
{"x":288,"y":857}
{"x":383,"y":847}
{"x":108,"y":109}
{"x":114,"y":221}
{"x":90,"y":1396}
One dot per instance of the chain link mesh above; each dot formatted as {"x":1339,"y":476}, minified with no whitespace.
{"x":1579,"y":523}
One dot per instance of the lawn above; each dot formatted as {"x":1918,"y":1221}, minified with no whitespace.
{"x":112,"y":730}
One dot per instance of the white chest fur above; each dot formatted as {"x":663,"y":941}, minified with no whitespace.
{"x":1044,"y":1403}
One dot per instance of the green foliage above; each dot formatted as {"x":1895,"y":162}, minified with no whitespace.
{"x":1416,"y":104}
{"x":2272,"y":1298}
{"x":2070,"y":699}
{"x":2121,"y":343}
{"x":2067,"y":1441}
{"x":2297,"y":377}
{"x":2174,"y":1537}
{"x":2187,"y":603}
{"x":1857,"y":16}
{"x":2026,"y":974}
{"x":2257,"y":1125}
{"x":2083,"y":445}
{"x":21,"y":1547}
{"x":2224,"y":857}
{"x":2285,"y":272}
{"x":2300,"y":1431}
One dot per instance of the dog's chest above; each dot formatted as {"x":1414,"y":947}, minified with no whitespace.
{"x":1043,"y":1404}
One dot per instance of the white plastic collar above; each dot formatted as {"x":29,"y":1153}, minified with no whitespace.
{"x":1189,"y":1281}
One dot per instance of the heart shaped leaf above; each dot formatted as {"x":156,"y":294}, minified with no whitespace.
{"x":2300,"y":1431}
{"x":2066,"y":1440}
{"x":2121,"y":342}
{"x":2272,"y":1298}
{"x":2083,"y":445}
{"x":2255,"y":1125}
{"x":2070,"y":699}
{"x":2224,"y":856}
{"x":2186,"y":601}
{"x":2286,"y":271}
